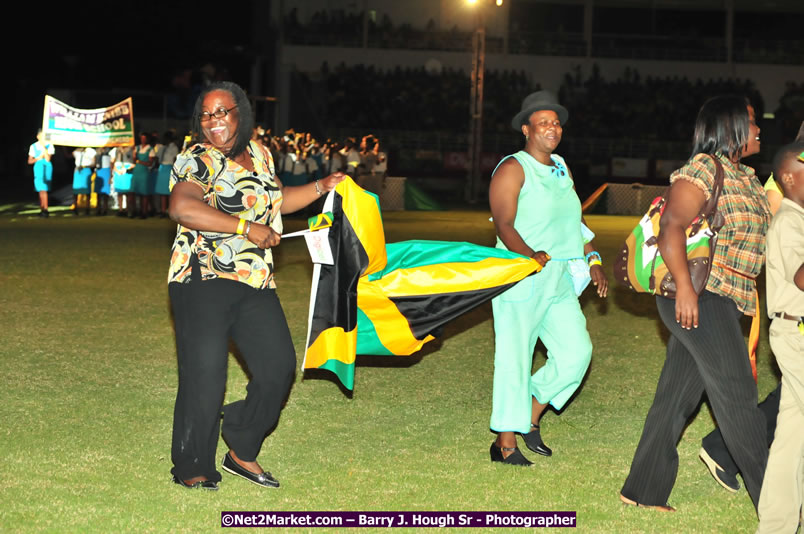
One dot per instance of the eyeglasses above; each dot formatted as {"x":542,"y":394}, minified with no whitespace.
{"x":218,"y":114}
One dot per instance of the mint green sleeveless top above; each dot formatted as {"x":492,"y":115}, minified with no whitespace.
{"x":548,"y":214}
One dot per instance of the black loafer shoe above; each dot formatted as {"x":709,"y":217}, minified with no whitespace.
{"x":727,"y":480}
{"x":263,"y":479}
{"x":515,"y":458}
{"x":533,"y":440}
{"x":203,"y":484}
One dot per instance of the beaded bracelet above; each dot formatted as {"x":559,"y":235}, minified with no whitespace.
{"x":598,"y":261}
{"x":318,"y":189}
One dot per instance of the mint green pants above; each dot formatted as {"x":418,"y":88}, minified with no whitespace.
{"x":542,"y":306}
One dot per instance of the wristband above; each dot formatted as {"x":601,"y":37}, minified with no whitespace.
{"x":595,"y":262}
{"x":248,"y":229}
{"x":240,"y":226}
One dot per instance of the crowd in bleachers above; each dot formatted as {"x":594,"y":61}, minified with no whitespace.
{"x":340,"y":28}
{"x":414,"y":99}
{"x":349,"y":28}
{"x":790,"y":113}
{"x":648,"y":108}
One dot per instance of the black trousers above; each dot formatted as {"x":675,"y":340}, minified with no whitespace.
{"x":207,"y":313}
{"x":716,"y":447}
{"x":712,"y":358}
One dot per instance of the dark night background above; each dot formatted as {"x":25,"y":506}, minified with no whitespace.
{"x":103,"y":52}
{"x":102,"y":49}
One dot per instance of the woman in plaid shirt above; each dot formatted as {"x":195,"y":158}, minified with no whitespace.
{"x":706,"y":352}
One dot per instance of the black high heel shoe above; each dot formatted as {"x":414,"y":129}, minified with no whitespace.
{"x":533,"y":440}
{"x":515,"y":458}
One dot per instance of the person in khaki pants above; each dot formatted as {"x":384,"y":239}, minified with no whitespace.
{"x":783,"y":485}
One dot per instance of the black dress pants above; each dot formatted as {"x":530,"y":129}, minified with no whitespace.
{"x":207,"y":313}
{"x":716,"y":447}
{"x":712,"y":358}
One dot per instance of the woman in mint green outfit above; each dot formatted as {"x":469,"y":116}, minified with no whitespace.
{"x":537,"y":213}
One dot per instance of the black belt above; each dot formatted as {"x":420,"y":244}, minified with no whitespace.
{"x":783,"y":315}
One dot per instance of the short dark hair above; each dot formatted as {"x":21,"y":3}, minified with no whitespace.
{"x":722,"y":126}
{"x":783,"y":158}
{"x":245,"y":122}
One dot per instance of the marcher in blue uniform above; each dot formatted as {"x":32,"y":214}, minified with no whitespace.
{"x":144,"y":159}
{"x":103,"y":180}
{"x":122,"y":167}
{"x":166,"y":156}
{"x":39,"y":156}
{"x":82,"y":177}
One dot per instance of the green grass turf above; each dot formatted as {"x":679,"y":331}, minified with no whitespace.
{"x":88,"y":378}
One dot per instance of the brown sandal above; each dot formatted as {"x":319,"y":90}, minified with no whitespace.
{"x":659,"y":507}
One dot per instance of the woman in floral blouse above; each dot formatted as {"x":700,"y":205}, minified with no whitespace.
{"x":228,"y":203}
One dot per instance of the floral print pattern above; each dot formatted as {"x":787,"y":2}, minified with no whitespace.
{"x":232,"y":189}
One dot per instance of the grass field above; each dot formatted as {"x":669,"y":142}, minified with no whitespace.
{"x":89,"y":376}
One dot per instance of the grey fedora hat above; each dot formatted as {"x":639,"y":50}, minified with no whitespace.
{"x":538,"y":101}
